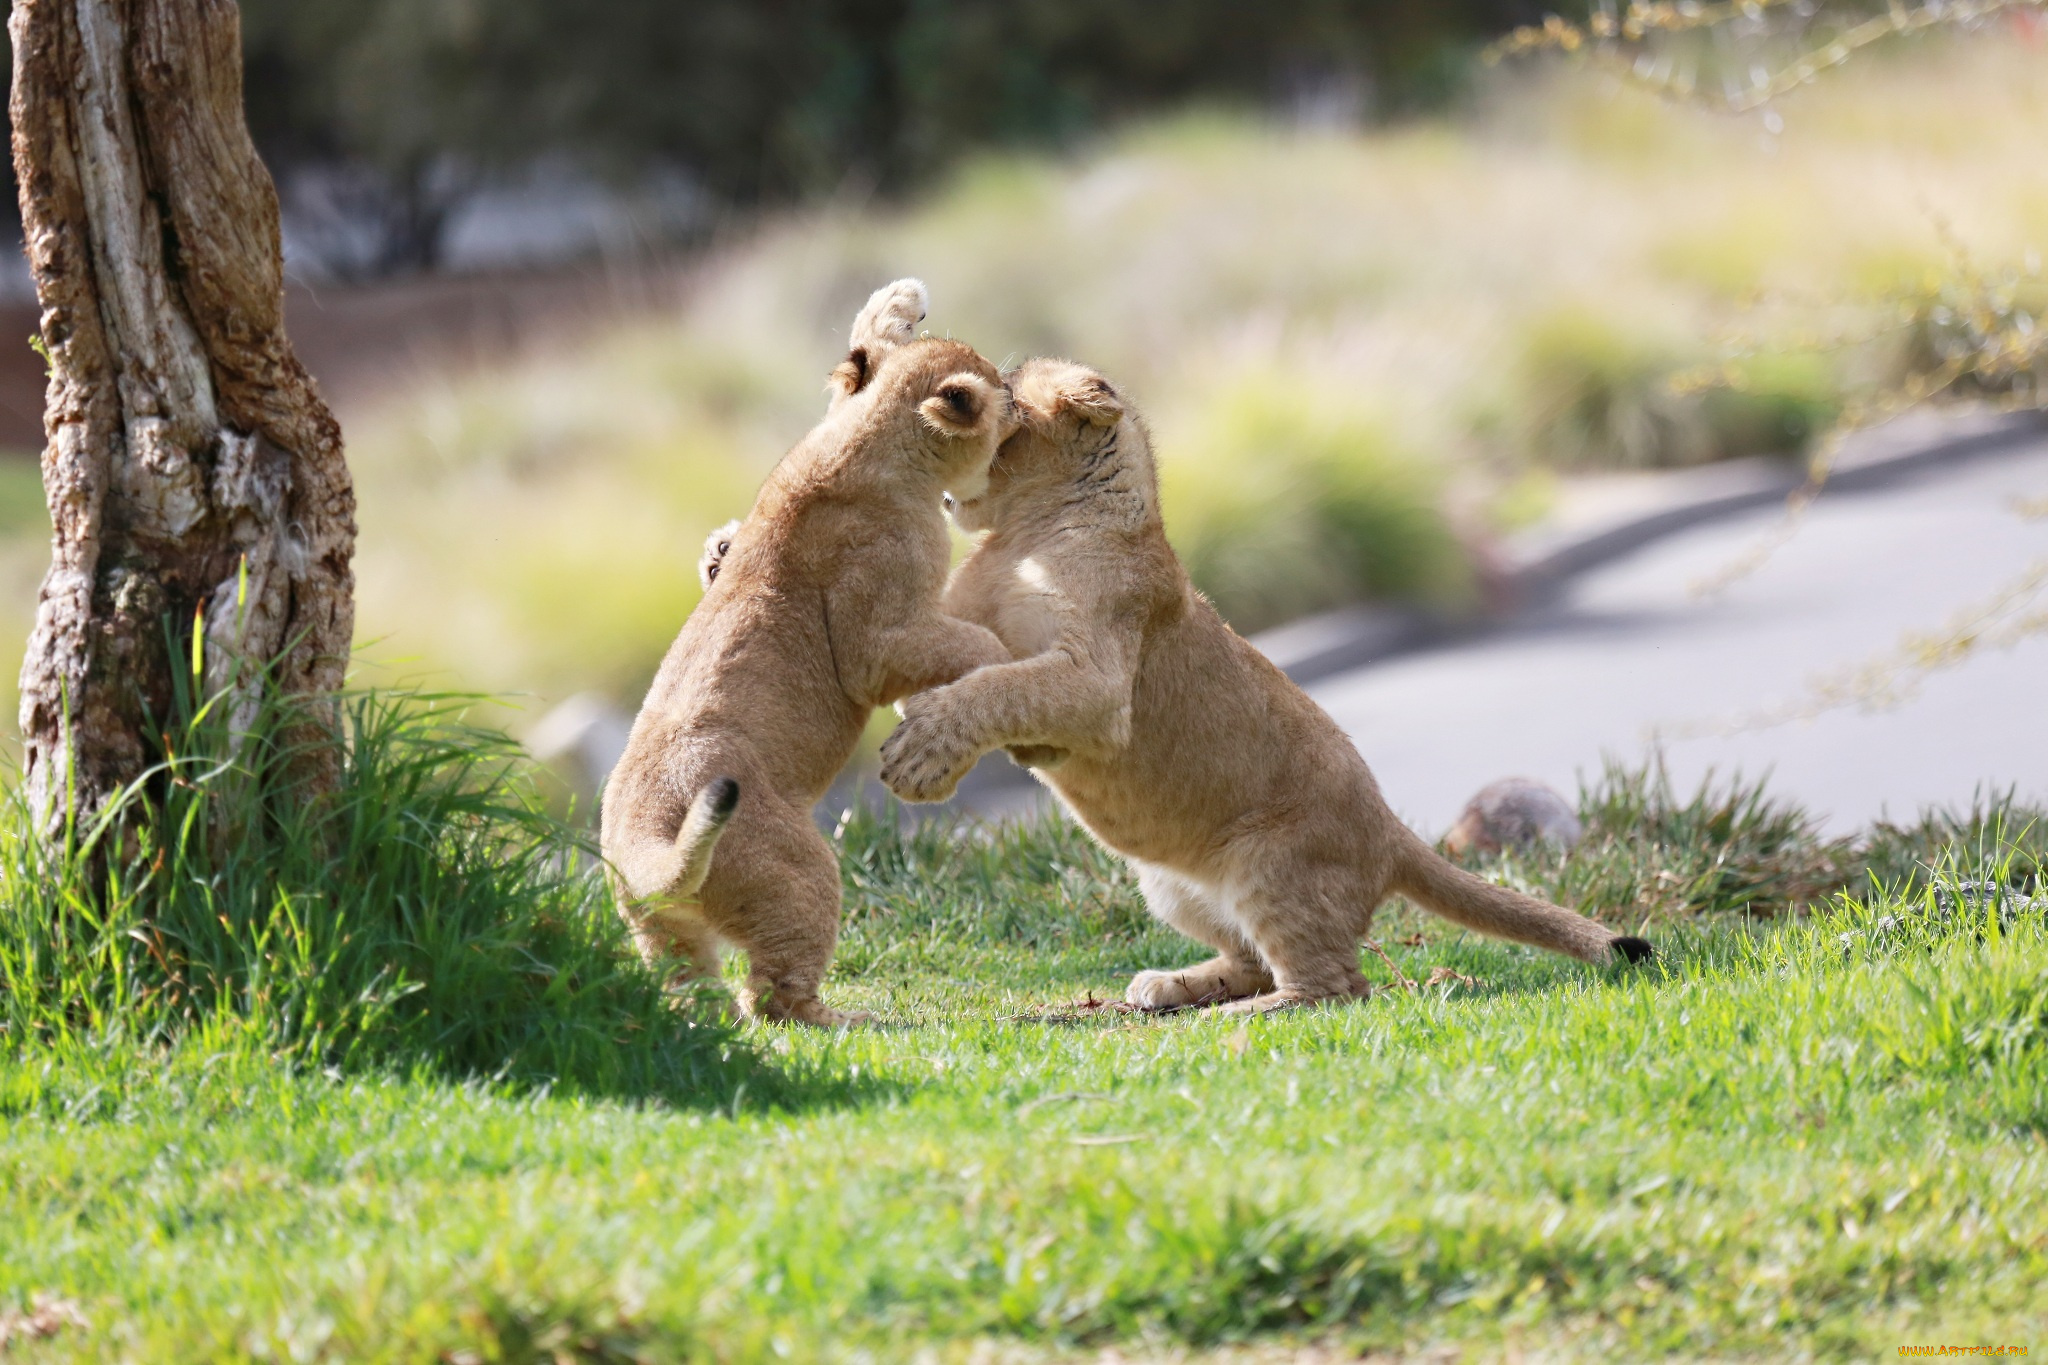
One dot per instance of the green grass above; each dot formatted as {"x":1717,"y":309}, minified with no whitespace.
{"x":1824,"y":1136}
{"x":424,"y":914}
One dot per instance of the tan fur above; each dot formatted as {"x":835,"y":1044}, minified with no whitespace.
{"x":1252,"y":822}
{"x":825,"y":605}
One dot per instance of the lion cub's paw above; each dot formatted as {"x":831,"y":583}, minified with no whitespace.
{"x":1218,"y":979}
{"x":891,"y":315}
{"x":924,"y":758}
{"x":815,"y":1013}
{"x":1157,"y":990}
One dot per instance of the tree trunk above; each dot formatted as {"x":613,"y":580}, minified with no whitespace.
{"x":193,"y":472}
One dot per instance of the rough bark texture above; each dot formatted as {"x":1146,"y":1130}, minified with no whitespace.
{"x":185,"y":440}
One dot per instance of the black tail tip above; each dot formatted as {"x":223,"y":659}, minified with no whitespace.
{"x":1634,"y":949}
{"x":725,"y":795}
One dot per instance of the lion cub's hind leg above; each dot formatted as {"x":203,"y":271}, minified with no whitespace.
{"x":777,"y":898}
{"x":658,"y":881}
{"x":1307,"y":925}
{"x":675,"y":940}
{"x":1236,"y":969}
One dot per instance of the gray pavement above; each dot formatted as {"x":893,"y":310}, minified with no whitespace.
{"x":1629,"y":649}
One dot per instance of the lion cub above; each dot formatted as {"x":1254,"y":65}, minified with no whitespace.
{"x":1252,"y":822}
{"x":825,"y":606}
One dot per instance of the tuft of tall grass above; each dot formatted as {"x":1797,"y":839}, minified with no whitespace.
{"x":1652,"y":854}
{"x":425,"y":912}
{"x":1997,"y":828}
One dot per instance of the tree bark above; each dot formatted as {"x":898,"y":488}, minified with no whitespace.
{"x":193,"y":472}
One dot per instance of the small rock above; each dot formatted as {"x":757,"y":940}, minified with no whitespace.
{"x":1515,"y":813}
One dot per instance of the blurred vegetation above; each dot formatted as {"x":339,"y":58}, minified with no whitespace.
{"x":1359,"y":352}
{"x":537,"y":528}
{"x":1280,"y":509}
{"x":1739,"y":55}
{"x":1948,"y":331}
{"x":23,"y":509}
{"x":1364,"y":352}
{"x":1967,"y":333}
{"x":1952,"y":330}
{"x":756,"y":103}
{"x":1599,"y":395}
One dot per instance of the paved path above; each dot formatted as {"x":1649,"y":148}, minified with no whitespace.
{"x":1629,"y":648}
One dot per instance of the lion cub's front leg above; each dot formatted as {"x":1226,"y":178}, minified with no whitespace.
{"x":1072,"y":699}
{"x":932,"y":653}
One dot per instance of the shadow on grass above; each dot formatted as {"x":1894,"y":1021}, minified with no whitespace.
{"x":118,"y":1079}
{"x":699,"y":1067}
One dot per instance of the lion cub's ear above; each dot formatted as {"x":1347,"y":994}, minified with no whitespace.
{"x":1093,"y":401}
{"x":888,"y":320}
{"x":965,"y":404}
{"x":852,"y":374}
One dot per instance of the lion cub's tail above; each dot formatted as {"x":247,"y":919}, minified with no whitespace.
{"x":676,"y":871}
{"x":708,"y":817}
{"x":1457,"y":895}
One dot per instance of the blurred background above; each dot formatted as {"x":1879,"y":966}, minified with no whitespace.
{"x":1407,"y":316}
